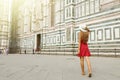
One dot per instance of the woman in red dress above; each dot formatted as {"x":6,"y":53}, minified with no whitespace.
{"x":83,"y":50}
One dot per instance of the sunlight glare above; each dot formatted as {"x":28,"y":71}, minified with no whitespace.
{"x":45,"y":1}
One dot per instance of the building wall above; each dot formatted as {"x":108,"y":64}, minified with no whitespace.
{"x":58,"y":23}
{"x":5,"y":7}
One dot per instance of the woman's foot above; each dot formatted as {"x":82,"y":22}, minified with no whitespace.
{"x":90,"y":75}
{"x":83,"y":73}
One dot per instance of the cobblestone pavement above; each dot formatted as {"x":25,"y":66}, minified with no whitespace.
{"x":54,"y":67}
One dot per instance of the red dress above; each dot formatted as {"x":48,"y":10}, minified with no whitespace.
{"x":84,"y":50}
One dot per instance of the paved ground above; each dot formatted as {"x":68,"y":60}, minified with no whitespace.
{"x":51,"y":67}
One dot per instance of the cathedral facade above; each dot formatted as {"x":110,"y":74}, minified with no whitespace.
{"x":52,"y":26}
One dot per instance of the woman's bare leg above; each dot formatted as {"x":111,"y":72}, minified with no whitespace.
{"x":82,"y":65}
{"x":89,"y":66}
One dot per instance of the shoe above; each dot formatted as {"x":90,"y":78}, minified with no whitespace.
{"x":90,"y":75}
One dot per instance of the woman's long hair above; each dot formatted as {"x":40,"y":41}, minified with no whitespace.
{"x":86,"y":28}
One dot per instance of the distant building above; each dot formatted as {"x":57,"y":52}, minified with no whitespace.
{"x":5,"y":22}
{"x":52,"y":26}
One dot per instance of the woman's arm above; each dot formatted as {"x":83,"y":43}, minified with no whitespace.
{"x":79,"y":41}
